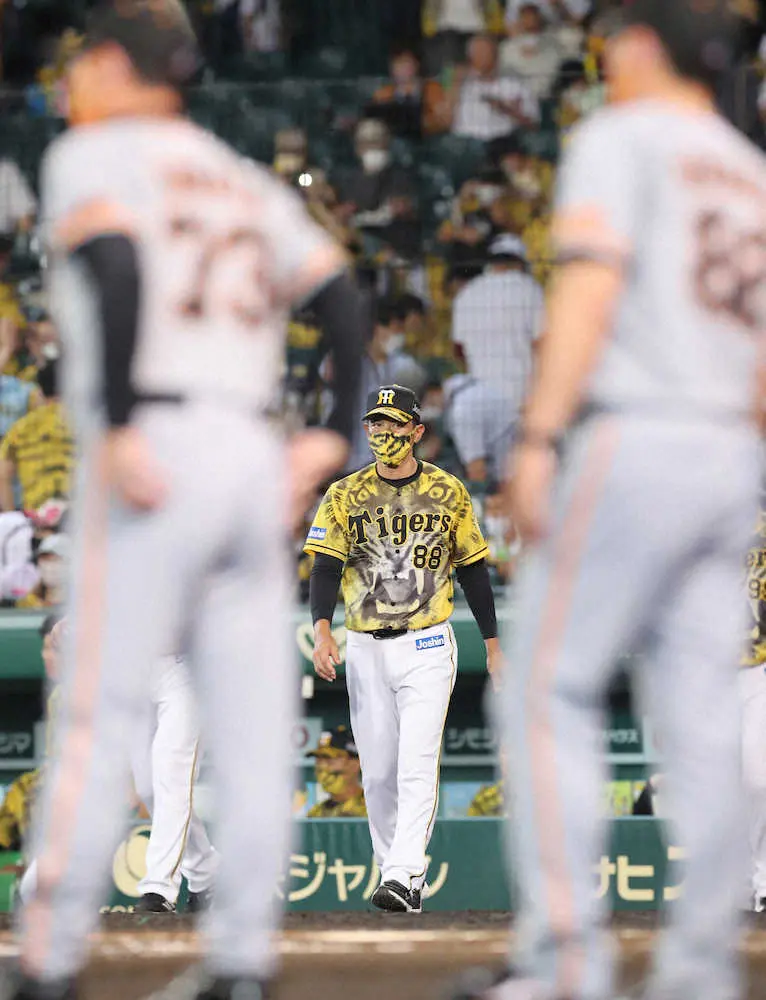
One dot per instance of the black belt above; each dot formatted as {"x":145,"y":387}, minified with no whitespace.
{"x":162,"y":398}
{"x":181,"y":399}
{"x":387,"y":633}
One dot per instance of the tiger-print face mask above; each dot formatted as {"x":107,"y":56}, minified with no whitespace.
{"x":391,"y":449}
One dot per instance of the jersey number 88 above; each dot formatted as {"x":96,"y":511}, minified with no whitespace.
{"x":425,"y":558}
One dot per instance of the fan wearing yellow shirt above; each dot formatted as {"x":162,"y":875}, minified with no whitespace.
{"x":336,"y":764}
{"x":391,"y":534}
{"x":38,"y":451}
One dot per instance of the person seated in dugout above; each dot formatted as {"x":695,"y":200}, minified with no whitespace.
{"x":336,"y":765}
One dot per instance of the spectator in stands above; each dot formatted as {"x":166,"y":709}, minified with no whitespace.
{"x":385,"y":363}
{"x":467,"y":232}
{"x":261,"y":25}
{"x":411,"y":106}
{"x":17,"y":398}
{"x":450,"y":25}
{"x":15,"y":811}
{"x":480,"y":418}
{"x":27,"y":343}
{"x":378,"y":197}
{"x":291,"y":158}
{"x":338,"y":774}
{"x":48,"y":95}
{"x":566,"y":20}
{"x":291,"y":162}
{"x":18,"y":575}
{"x":18,"y":204}
{"x":52,"y":563}
{"x":532,"y":52}
{"x":557,"y":12}
{"x":413,"y":315}
{"x":248,"y":26}
{"x":488,"y":106}
{"x":38,"y":451}
{"x":572,"y":94}
{"x":497,"y":319}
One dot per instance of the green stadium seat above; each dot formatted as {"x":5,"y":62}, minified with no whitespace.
{"x":326,"y":64}
{"x":254,"y":67}
{"x":460,"y":156}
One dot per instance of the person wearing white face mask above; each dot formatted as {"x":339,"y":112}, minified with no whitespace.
{"x":384,"y":362}
{"x":532,"y":52}
{"x":379,"y":196}
{"x":52,"y":566}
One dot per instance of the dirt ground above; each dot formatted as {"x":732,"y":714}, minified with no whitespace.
{"x":351,"y":956}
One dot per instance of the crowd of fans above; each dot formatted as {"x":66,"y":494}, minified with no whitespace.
{"x":437,"y":177}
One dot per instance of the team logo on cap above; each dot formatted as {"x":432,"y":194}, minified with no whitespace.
{"x":386,"y":397}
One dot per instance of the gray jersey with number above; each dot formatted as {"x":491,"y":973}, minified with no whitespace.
{"x":680,"y":197}
{"x":222,"y":245}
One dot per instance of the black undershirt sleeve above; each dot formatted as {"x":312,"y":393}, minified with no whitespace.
{"x":324,"y":582}
{"x":112,"y":263}
{"x":474,"y":580}
{"x":339,"y":309}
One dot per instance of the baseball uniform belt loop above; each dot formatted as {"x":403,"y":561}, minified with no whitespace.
{"x":388,"y":633}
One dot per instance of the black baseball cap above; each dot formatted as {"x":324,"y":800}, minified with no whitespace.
{"x":335,"y":743}
{"x":700,"y":36}
{"x":156,"y":35}
{"x":395,"y":402}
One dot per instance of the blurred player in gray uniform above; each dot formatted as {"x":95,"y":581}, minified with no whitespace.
{"x":174,"y":264}
{"x":639,"y":523}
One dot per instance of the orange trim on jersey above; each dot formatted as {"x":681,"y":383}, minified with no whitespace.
{"x":587,"y":227}
{"x":94,"y":218}
{"x":70,"y":776}
{"x":558,"y":885}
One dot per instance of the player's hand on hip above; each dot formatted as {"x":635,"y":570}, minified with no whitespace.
{"x":326,"y":655}
{"x":529,"y":490}
{"x":313,"y":456}
{"x":131,"y":470}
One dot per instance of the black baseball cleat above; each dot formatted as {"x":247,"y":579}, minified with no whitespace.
{"x":33,"y":989}
{"x":234,"y":989}
{"x":153,"y":902}
{"x":393,"y":897}
{"x":199,"y":902}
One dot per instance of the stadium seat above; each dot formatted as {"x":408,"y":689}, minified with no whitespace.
{"x":459,"y":156}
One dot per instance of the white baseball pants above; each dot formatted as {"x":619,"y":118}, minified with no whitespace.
{"x":165,"y":763}
{"x":164,"y":752}
{"x":651,"y":522}
{"x":399,"y":692}
{"x":207,"y":573}
{"x":752,"y":690}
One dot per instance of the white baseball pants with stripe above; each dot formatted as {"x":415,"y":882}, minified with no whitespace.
{"x":208,"y":573}
{"x":165,"y":765}
{"x":650,"y":527}
{"x":399,"y":692}
{"x":752,"y":690}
